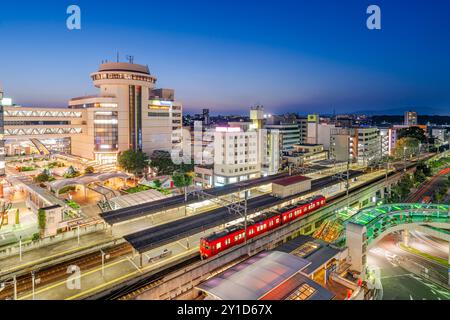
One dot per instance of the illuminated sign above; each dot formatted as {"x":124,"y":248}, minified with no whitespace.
{"x":161,"y":103}
{"x":312,"y":117}
{"x":228,"y":129}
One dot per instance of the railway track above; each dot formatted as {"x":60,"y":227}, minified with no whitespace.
{"x":131,"y":291}
{"x":59,"y":272}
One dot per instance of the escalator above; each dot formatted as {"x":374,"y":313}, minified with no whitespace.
{"x":40,"y":146}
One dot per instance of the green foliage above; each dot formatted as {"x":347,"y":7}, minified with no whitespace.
{"x":406,"y":147}
{"x":42,"y":219}
{"x":134,"y":161}
{"x":71,"y":173}
{"x":444,"y":161}
{"x":161,"y":161}
{"x":67,"y":189}
{"x":89,"y":170}
{"x":36,"y":237}
{"x":26,"y":168}
{"x":73,"y":204}
{"x":17,"y":216}
{"x":138,"y":188}
{"x":182,"y":179}
{"x":412,"y":132}
{"x":42,"y":177}
{"x":157,"y":183}
{"x":440,"y":194}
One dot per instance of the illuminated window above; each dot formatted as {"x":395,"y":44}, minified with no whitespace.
{"x":302,"y":293}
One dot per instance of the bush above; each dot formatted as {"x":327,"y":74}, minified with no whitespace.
{"x":36,"y":237}
{"x":89,"y":170}
{"x":67,"y":189}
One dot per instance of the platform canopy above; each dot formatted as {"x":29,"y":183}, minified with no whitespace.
{"x":255,"y":277}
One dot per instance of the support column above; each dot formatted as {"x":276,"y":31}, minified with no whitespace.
{"x":448,"y":263}
{"x":405,"y":237}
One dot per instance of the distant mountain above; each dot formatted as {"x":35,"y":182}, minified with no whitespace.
{"x":401,"y":111}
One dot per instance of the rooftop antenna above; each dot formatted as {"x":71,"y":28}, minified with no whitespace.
{"x":130,"y":59}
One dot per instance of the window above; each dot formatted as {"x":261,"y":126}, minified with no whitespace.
{"x":218,"y":246}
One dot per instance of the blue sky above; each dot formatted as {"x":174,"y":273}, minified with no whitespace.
{"x":297,"y":56}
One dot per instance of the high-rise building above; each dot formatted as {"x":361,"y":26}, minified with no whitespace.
{"x":206,"y":118}
{"x":289,"y":134}
{"x":237,"y":155}
{"x":2,"y":137}
{"x":128,"y":113}
{"x":257,"y":117}
{"x":361,"y":145}
{"x":410,"y":118}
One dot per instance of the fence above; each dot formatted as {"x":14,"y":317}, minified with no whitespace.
{"x":31,"y":245}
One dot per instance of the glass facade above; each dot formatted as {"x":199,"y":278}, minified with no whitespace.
{"x":106,"y":131}
{"x":135,"y":117}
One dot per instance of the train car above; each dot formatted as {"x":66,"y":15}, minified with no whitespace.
{"x":263,"y":223}
{"x":234,"y":235}
{"x":301,"y":208}
{"x":222,"y":240}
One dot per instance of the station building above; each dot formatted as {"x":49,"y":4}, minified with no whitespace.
{"x":127,"y":113}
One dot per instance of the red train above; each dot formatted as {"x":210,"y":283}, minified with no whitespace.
{"x":234,"y":235}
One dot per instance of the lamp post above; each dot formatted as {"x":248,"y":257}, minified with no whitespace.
{"x":32,"y":283}
{"x":404,"y":159}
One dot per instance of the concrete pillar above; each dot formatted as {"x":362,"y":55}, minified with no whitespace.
{"x":405,"y":237}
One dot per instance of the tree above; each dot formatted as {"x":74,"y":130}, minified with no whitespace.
{"x":407,"y":146}
{"x":17,"y":216}
{"x":134,"y":161}
{"x":42,"y":220}
{"x":157,"y":183}
{"x":162,"y":162}
{"x":412,"y":132}
{"x":71,"y":172}
{"x":182,"y":179}
{"x":42,"y":177}
{"x":89,"y":170}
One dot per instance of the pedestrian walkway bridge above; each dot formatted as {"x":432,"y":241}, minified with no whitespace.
{"x":377,"y":220}
{"x":364,"y":229}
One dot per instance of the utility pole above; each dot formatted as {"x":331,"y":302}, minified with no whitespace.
{"x":32,"y":283}
{"x":103,"y":263}
{"x":20,"y":248}
{"x":15,"y":287}
{"x":78,"y":234}
{"x":245,"y":214}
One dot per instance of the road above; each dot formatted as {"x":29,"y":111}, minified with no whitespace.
{"x":429,"y":187}
{"x":398,"y":283}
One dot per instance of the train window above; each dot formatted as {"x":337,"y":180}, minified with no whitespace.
{"x":218,"y":246}
{"x":235,"y":238}
{"x":206,"y":246}
{"x":278,"y":220}
{"x":227,"y":241}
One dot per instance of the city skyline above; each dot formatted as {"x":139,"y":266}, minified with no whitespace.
{"x":296,"y":57}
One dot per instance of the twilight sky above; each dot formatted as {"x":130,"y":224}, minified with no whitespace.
{"x":291,"y":56}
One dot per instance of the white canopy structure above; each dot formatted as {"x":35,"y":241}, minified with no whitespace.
{"x":255,"y":277}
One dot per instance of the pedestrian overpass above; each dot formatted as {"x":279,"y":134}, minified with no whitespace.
{"x":364,"y":229}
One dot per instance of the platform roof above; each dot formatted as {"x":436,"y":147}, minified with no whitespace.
{"x":290,"y":180}
{"x":255,"y":277}
{"x":137,"y":198}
